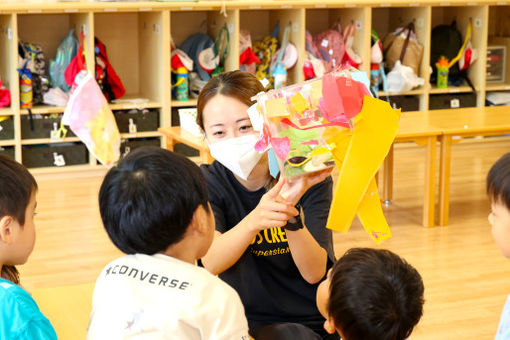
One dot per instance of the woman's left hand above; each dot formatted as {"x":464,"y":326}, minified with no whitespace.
{"x":294,"y":189}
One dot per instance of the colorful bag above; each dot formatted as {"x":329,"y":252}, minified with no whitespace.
{"x":65,"y":53}
{"x":25,"y":87}
{"x":5,"y":96}
{"x":106,"y":77}
{"x":351,"y":58}
{"x":88,"y":115}
{"x":33,"y":54}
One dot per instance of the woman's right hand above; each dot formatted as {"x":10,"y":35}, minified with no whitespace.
{"x":270,"y":212}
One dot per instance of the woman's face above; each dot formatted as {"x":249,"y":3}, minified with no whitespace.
{"x":224,"y":118}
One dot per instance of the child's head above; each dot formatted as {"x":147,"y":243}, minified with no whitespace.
{"x":371,"y":294}
{"x":498,"y":190}
{"x":152,"y":200}
{"x":17,"y":209}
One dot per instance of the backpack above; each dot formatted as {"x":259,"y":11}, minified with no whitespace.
{"x":331,"y":47}
{"x":36,"y":63}
{"x":106,"y":77}
{"x":447,"y":41}
{"x":65,"y":53}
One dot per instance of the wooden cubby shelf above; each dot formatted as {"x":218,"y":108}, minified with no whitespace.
{"x":138,"y":36}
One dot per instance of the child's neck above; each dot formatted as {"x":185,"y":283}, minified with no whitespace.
{"x":182,"y":251}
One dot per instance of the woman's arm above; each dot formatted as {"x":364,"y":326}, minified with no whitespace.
{"x":308,"y":255}
{"x":228,"y":247}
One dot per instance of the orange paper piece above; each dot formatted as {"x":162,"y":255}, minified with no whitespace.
{"x":374,"y":131}
{"x":299,"y":103}
{"x":277,"y":108}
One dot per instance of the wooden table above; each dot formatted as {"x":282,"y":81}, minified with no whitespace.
{"x":174,"y":135}
{"x":459,"y":123}
{"x":415,"y":127}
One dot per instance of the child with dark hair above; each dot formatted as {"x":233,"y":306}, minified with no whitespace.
{"x":498,"y":190}
{"x":371,"y":294}
{"x":154,"y":207}
{"x":20,"y":318}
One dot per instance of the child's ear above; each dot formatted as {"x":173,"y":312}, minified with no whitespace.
{"x":6,"y":229}
{"x":329,"y":325}
{"x":199,"y":220}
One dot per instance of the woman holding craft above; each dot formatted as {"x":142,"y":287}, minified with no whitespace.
{"x":263,"y":247}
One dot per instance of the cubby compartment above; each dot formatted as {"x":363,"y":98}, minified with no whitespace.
{"x":452,"y":101}
{"x":497,"y":98}
{"x":41,"y":126}
{"x":128,"y":145}
{"x":6,"y":128}
{"x":261,"y":23}
{"x":183,"y":24}
{"x":7,"y":151}
{"x":137,"y":120}
{"x":47,"y":31}
{"x":404,"y":102}
{"x":8,"y":50}
{"x":386,"y":20}
{"x":53,"y":155}
{"x":320,"y":20}
{"x":498,"y":49}
{"x":136,"y":48}
{"x":464,"y":15}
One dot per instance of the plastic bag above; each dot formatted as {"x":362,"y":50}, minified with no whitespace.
{"x":402,"y":78}
{"x":65,"y":53}
{"x":90,"y":118}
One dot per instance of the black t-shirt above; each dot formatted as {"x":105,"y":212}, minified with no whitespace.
{"x":266,"y":277}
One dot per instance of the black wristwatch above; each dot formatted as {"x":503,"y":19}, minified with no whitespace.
{"x":297,"y":224}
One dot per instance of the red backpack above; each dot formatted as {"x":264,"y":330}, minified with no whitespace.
{"x":331,"y":47}
{"x":106,"y":77}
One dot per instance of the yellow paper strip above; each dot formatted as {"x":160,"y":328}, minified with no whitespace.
{"x":277,"y":108}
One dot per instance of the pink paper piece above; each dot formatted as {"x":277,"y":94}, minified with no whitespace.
{"x":288,"y":122}
{"x":332,"y":101}
{"x":311,"y":142}
{"x":352,"y":95}
{"x":263,"y":142}
{"x":281,"y":147}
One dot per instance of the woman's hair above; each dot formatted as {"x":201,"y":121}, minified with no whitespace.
{"x":16,"y":187}
{"x":237,"y":84}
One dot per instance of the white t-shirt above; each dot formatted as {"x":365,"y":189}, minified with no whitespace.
{"x":160,"y":297}
{"x":504,"y":323}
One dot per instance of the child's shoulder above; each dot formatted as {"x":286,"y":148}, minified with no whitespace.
{"x":12,"y":293}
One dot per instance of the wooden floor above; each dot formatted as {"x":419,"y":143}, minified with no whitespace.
{"x":466,"y":278}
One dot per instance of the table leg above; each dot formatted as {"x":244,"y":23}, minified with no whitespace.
{"x":388,"y":177}
{"x":205,"y":157}
{"x":444,"y":179}
{"x":430,"y":183}
{"x":169,"y":143}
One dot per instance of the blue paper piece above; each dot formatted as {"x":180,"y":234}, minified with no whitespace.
{"x":361,"y":77}
{"x":274,"y":169}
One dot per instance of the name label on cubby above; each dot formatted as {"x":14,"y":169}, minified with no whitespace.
{"x":145,"y":9}
{"x":35,"y":11}
{"x":501,"y":3}
{"x":414,"y":4}
{"x":286,"y":6}
{"x":472,"y":3}
{"x":71,"y":10}
{"x":186,"y":8}
{"x":507,"y":87}
{"x":111,"y":9}
{"x":454,"y":90}
{"x":255,"y":7}
{"x":444,"y":4}
{"x":320,"y":6}
{"x":350,"y":5}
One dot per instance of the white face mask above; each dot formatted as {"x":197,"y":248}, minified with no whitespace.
{"x":237,"y":154}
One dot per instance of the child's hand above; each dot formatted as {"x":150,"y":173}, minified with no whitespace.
{"x":292,"y":191}
{"x":272,"y":211}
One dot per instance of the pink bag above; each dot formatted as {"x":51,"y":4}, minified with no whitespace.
{"x":331,"y":47}
{"x":90,"y":118}
{"x":5,"y":96}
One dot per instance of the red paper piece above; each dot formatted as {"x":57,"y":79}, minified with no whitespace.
{"x":311,"y":142}
{"x":333,"y":103}
{"x":352,"y":95}
{"x":281,"y":147}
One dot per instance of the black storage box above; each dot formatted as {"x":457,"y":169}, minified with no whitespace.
{"x":129,"y":145}
{"x":145,"y":120}
{"x":452,"y":101}
{"x":7,"y":151}
{"x":406,"y":103}
{"x":7,"y":130}
{"x":42,"y":127}
{"x":36,"y":156}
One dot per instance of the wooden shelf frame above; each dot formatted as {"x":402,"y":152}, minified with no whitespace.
{"x":138,"y":34}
